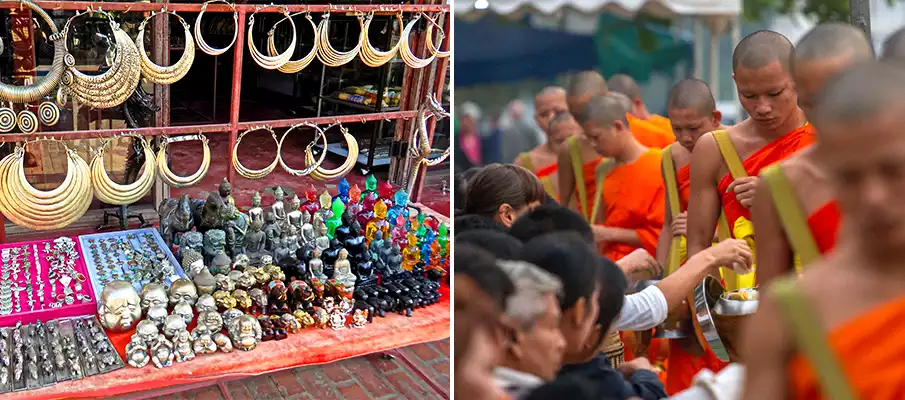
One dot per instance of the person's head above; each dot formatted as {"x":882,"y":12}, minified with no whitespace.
{"x":612,"y":284}
{"x":469,"y":222}
{"x":605,"y":125}
{"x":549,"y":102}
{"x":500,"y":244}
{"x":760,"y":65}
{"x":583,"y":87}
{"x":480,"y":283}
{"x":551,"y":218}
{"x":569,"y":257}
{"x":692,"y":111}
{"x":477,"y":354}
{"x":894,"y":47}
{"x":821,"y":54}
{"x":562,"y":127}
{"x":536,"y":344}
{"x":858,"y":119}
{"x":503,"y":192}
{"x":622,"y":83}
{"x":470,"y":115}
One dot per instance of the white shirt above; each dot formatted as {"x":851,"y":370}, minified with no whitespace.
{"x":517,"y":384}
{"x":727,"y":385}
{"x":643,"y":310}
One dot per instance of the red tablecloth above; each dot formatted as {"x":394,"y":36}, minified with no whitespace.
{"x":307,"y":347}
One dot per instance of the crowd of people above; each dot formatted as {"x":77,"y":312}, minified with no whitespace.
{"x":569,"y":258}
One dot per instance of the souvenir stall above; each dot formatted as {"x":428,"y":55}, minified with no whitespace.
{"x":212,"y":288}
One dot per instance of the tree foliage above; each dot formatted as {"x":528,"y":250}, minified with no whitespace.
{"x":822,"y":10}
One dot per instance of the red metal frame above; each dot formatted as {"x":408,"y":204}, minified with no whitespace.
{"x":233,"y":127}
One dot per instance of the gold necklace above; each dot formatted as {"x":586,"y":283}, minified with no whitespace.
{"x":325,"y":51}
{"x":292,"y":67}
{"x":179,"y":181}
{"x":323,"y":174}
{"x":370,"y":55}
{"x":270,"y":62}
{"x":45,"y":85}
{"x":255,"y":173}
{"x":431,"y":47}
{"x":405,"y":52}
{"x":166,"y":75}
{"x":201,"y":43}
{"x":309,"y":166}
{"x":110,"y":192}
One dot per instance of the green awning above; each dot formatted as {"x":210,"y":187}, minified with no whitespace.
{"x":639,"y":47}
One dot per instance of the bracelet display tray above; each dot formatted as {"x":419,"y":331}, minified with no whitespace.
{"x":42,"y":310}
{"x":120,"y":262}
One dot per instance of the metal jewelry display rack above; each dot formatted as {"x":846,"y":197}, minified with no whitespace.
{"x":417,"y":83}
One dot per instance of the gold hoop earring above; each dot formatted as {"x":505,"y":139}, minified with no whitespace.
{"x":166,"y":75}
{"x":208,"y":49}
{"x":325,"y":51}
{"x":270,"y":62}
{"x":292,"y":67}
{"x":405,"y":51}
{"x":309,"y":167}
{"x":322,"y":174}
{"x":110,"y":192}
{"x":179,"y":181}
{"x":249,"y":173}
{"x":370,"y":55}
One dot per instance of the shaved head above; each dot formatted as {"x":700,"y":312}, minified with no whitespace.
{"x":894,"y":47}
{"x":862,"y":92}
{"x":760,"y":49}
{"x":588,"y":83}
{"x":833,"y":40}
{"x":604,"y":110}
{"x":622,"y":99}
{"x":550,"y":101}
{"x":551,"y":91}
{"x":692,"y":94}
{"x":622,"y":83}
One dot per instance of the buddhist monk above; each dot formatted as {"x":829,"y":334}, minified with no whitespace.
{"x":551,"y":115}
{"x":651,"y":130}
{"x":725,"y":178}
{"x":834,"y":332}
{"x":692,"y":113}
{"x":894,"y":46}
{"x":577,"y":160}
{"x":795,"y":212}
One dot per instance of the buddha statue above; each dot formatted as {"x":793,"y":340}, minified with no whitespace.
{"x":316,"y":266}
{"x":294,"y":216}
{"x":277,"y":208}
{"x":342,"y":271}
{"x":256,"y":213}
{"x":225,"y":190}
{"x":311,"y":204}
{"x":255,"y":243}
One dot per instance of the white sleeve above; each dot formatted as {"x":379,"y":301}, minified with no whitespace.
{"x":727,"y":385}
{"x":641,"y":311}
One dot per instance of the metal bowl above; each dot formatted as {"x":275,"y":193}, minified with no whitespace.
{"x":643,"y":284}
{"x":735,"y":307}
{"x":706,"y":296}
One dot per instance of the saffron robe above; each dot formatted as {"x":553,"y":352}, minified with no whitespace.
{"x":824,"y":224}
{"x":633,"y":199}
{"x":588,"y":178}
{"x":649,"y":134}
{"x":546,"y":174}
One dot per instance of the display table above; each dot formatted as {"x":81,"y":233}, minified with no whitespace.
{"x":307,"y":347}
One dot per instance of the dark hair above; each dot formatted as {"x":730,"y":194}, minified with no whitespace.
{"x":480,"y":265}
{"x":550,"y":218}
{"x":470,"y":222}
{"x":499,"y":184}
{"x":460,"y":187}
{"x":569,"y":257}
{"x":611,"y":296}
{"x":573,"y":386}
{"x":500,"y":244}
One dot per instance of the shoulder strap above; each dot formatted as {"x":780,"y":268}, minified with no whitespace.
{"x":575,"y":155}
{"x":811,"y":341}
{"x":730,"y":154}
{"x":524,"y":160}
{"x":790,"y":214}
{"x":601,"y":171}
{"x":672,"y":196}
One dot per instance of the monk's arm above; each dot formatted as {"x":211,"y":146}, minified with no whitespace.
{"x":679,"y":284}
{"x":566,"y":176}
{"x":766,"y":351}
{"x":609,"y":234}
{"x":704,"y":199}
{"x":773,"y":255}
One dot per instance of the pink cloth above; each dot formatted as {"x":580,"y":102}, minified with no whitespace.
{"x":471,"y":146}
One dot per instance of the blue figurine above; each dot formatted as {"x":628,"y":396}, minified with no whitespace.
{"x":426,"y":252}
{"x":343,"y":191}
{"x":400,"y":206}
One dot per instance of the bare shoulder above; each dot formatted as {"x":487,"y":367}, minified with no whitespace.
{"x":706,"y":156}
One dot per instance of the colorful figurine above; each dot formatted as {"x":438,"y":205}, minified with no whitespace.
{"x":410,"y":254}
{"x":354,"y":202}
{"x":335,"y":220}
{"x":399,"y":231}
{"x":386,"y":192}
{"x":443,"y":237}
{"x":342,"y":189}
{"x":370,"y":186}
{"x":326,"y":204}
{"x":311,"y":204}
{"x":378,"y":222}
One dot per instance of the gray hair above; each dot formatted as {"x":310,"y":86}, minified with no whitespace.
{"x":532,"y":284}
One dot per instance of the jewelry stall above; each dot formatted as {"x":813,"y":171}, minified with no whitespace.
{"x":244,"y":277}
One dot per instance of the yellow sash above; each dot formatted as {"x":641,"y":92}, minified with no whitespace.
{"x":677,"y":247}
{"x":792,"y":217}
{"x":524,"y":160}
{"x":742,"y":227}
{"x":601,"y":171}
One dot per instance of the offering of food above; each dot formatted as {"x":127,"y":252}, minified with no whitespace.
{"x":747,"y":294}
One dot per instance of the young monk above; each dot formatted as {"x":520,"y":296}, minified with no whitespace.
{"x":720,"y":180}
{"x":651,"y":130}
{"x":833,"y":333}
{"x":577,"y":160}
{"x":692,"y":113}
{"x":795,"y":212}
{"x":552,"y":116}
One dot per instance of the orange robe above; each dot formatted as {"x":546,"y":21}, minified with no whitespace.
{"x":589,"y":170}
{"x":546,"y":174}
{"x":869,"y":353}
{"x":683,"y":366}
{"x":633,"y":199}
{"x":824,"y":224}
{"x":650,"y":134}
{"x":775,"y":151}
{"x":662,"y":123}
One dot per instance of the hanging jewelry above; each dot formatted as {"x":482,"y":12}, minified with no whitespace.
{"x":292,"y":67}
{"x":325,"y":51}
{"x":270,"y":62}
{"x":27,"y":121}
{"x":45,"y":85}
{"x":48,"y":113}
{"x":112,"y":87}
{"x":110,"y":192}
{"x":200,"y":39}
{"x":178,"y":181}
{"x":7,"y":118}
{"x":323,"y":174}
{"x":255,"y":173}
{"x":166,"y":75}
{"x":370,"y":55}
{"x":431,"y":47}
{"x":405,"y":51}
{"x":309,"y":166}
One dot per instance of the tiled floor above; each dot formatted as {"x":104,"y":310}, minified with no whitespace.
{"x":364,"y":378}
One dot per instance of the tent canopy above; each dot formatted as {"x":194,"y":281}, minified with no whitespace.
{"x":624,"y":8}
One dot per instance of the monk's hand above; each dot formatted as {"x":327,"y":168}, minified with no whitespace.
{"x":733,"y":253}
{"x":629,"y":368}
{"x":679,"y":224}
{"x":639,"y":261}
{"x":744,"y":190}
